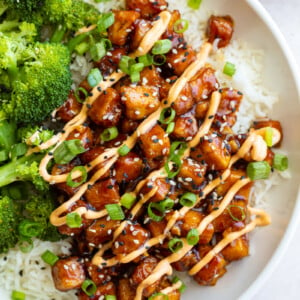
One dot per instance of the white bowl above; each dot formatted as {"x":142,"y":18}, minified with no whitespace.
{"x":254,"y":25}
{"x":267,"y":245}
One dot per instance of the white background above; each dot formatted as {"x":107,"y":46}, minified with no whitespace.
{"x":284,"y":282}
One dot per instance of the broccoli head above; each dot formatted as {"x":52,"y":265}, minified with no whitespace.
{"x":9,"y":216}
{"x":24,"y":5}
{"x":40,"y":78}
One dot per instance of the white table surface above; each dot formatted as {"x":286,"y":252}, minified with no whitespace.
{"x":284,"y":282}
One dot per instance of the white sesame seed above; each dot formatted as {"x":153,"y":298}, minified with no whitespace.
{"x":136,"y":242}
{"x":137,"y":112}
{"x":66,"y":267}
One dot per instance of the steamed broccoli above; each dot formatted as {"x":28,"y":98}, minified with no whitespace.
{"x":9,"y":216}
{"x":37,"y":76}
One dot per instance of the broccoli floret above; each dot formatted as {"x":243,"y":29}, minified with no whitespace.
{"x":38,"y":208}
{"x":40,"y":77}
{"x":33,"y":136}
{"x":9,"y":216}
{"x":24,"y":5}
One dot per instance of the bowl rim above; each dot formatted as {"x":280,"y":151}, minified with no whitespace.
{"x":257,"y":284}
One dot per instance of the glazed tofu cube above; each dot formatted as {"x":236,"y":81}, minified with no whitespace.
{"x":147,"y":8}
{"x":185,"y":128}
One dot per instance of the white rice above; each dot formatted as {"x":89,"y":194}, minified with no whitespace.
{"x":36,"y":280}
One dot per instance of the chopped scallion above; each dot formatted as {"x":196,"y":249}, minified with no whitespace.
{"x":229,"y":69}
{"x":94,"y":77}
{"x":258,"y":170}
{"x":152,"y":214}
{"x":115,"y":211}
{"x":167,"y":115}
{"x":127,"y":200}
{"x":269,"y":136}
{"x":175,"y":245}
{"x":29,"y":229}
{"x":89,"y":287}
{"x":188,"y":199}
{"x":280,"y":162}
{"x":183,"y":286}
{"x":78,"y":92}
{"x":110,"y":297}
{"x":159,"y":296}
{"x":123,"y":150}
{"x":25,"y":244}
{"x":74,"y":184}
{"x":181,"y":26}
{"x":17,"y":295}
{"x":105,"y":21}
{"x":73,"y":220}
{"x":109,"y":134}
{"x":146,"y":60}
{"x":162,"y":47}
{"x":170,"y":127}
{"x":193,"y":237}
{"x":49,"y":258}
{"x":233,"y":216}
{"x":194,"y":4}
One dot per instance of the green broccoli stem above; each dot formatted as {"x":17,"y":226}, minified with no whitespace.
{"x":9,"y":25}
{"x":9,"y":173}
{"x":12,"y":70}
{"x":58,"y":34}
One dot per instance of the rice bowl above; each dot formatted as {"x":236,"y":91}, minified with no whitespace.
{"x":243,"y":49}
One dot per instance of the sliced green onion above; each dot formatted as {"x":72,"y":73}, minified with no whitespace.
{"x":181,"y":26}
{"x":25,"y":244}
{"x":280,"y":162}
{"x":105,"y":21}
{"x":68,"y":150}
{"x":28,"y":228}
{"x":125,"y":64}
{"x":162,"y":47}
{"x":89,"y":287}
{"x":75,"y":184}
{"x":107,"y":43}
{"x":110,"y":297}
{"x":138,"y":67}
{"x":82,"y":48}
{"x":170,"y":127}
{"x":241,"y":209}
{"x":123,"y":150}
{"x":193,"y":237}
{"x":183,"y":286}
{"x":166,"y":204}
{"x":109,"y":134}
{"x":159,"y":60}
{"x":188,"y":199}
{"x":17,"y":295}
{"x":77,"y":94}
{"x":98,"y":51}
{"x":135,"y":77}
{"x":269,"y":136}
{"x":77,"y":40}
{"x":18,"y":150}
{"x":178,"y":148}
{"x":152,"y":215}
{"x":258,"y":170}
{"x":229,"y":69}
{"x":127,"y":200}
{"x":176,"y":163}
{"x":49,"y":257}
{"x":115,"y":211}
{"x":165,"y":297}
{"x":167,"y":115}
{"x":73,"y":220}
{"x":146,"y":60}
{"x":194,"y":4}
{"x":94,"y":77}
{"x":175,"y":245}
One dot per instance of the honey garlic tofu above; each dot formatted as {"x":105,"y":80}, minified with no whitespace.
{"x":106,"y":110}
{"x":147,"y":8}
{"x":125,"y":290}
{"x":141,"y":27}
{"x":140,"y":101}
{"x":68,"y":273}
{"x":123,"y":25}
{"x":155,"y":143}
{"x":186,"y":128}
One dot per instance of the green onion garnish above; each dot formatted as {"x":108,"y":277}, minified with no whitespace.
{"x":194,"y":4}
{"x":98,"y":51}
{"x":68,"y":150}
{"x":181,"y":26}
{"x":73,"y":220}
{"x":167,"y":115}
{"x":17,"y":295}
{"x":25,"y":244}
{"x":110,"y":297}
{"x":258,"y":170}
{"x":159,"y":60}
{"x":229,"y":69}
{"x":188,"y":199}
{"x":18,"y":150}
{"x":193,"y":237}
{"x":29,"y":229}
{"x":162,"y":47}
{"x":175,"y":279}
{"x":109,"y":134}
{"x":115,"y":211}
{"x":127,"y":200}
{"x":125,"y":64}
{"x":123,"y":150}
{"x":94,"y":77}
{"x":166,"y":204}
{"x":233,"y":217}
{"x":269,"y":136}
{"x":135,"y":77}
{"x":89,"y":287}
{"x":178,"y":148}
{"x":152,"y":215}
{"x":77,"y":94}
{"x":105,"y":21}
{"x":280,"y":162}
{"x":170,"y":127}
{"x":82,"y":48}
{"x":165,"y":297}
{"x":146,"y":60}
{"x":130,"y":67}
{"x":176,"y":163}
{"x":175,"y":245}
{"x":75,"y":184}
{"x":49,"y":258}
